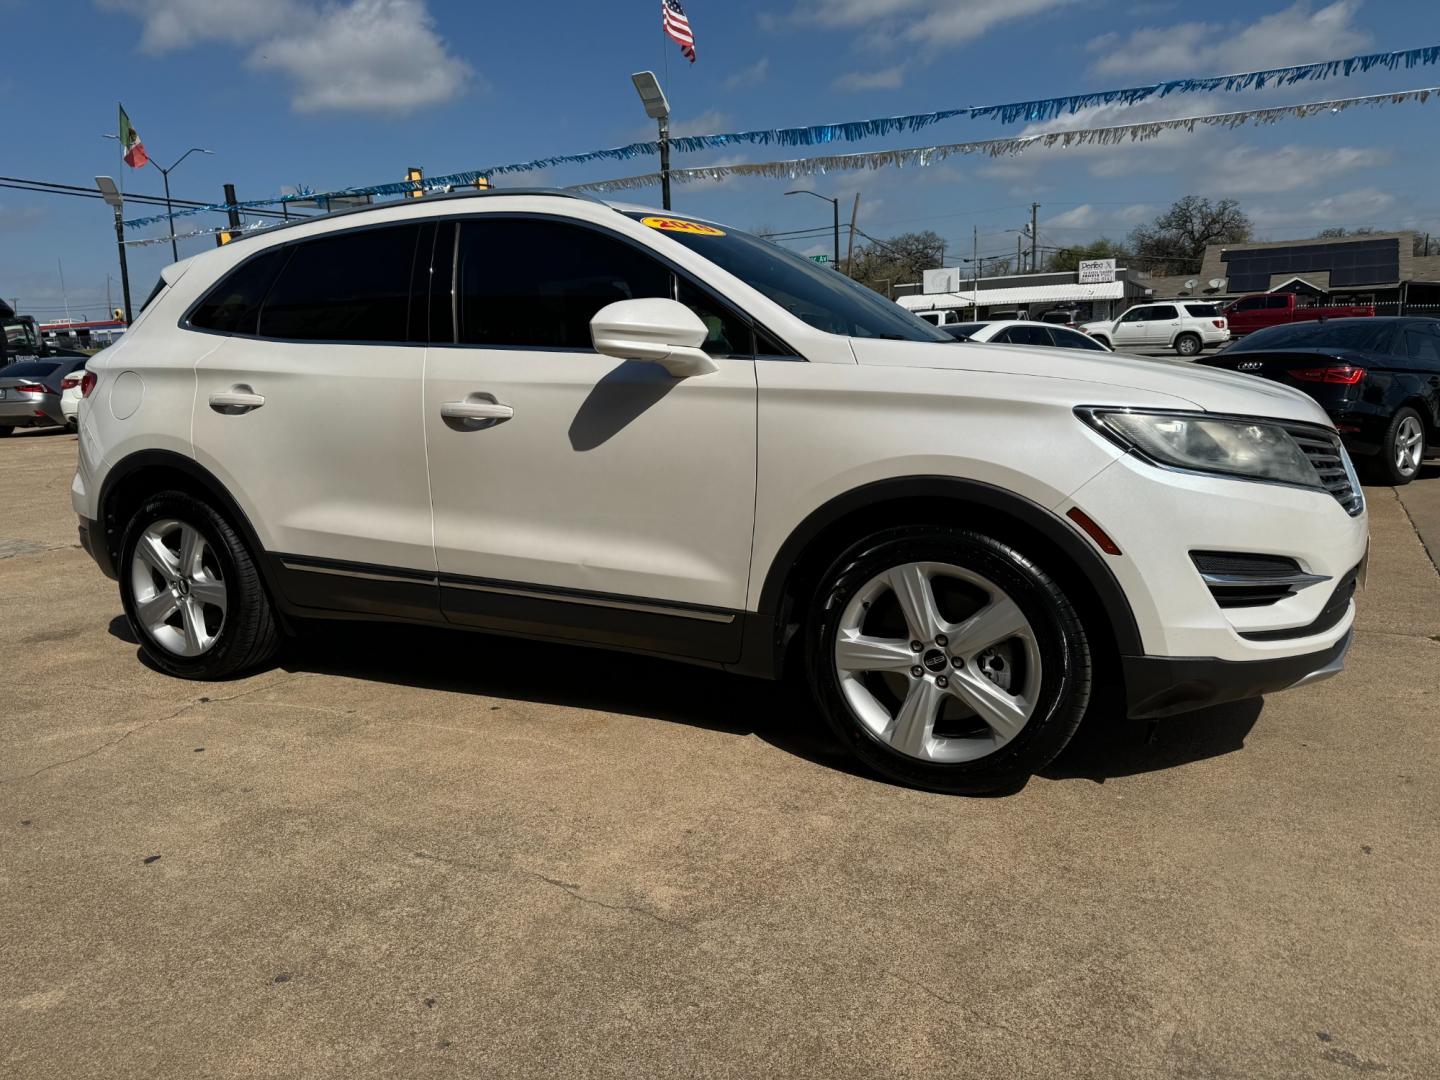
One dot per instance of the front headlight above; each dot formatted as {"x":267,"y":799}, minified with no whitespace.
{"x":1200,"y":442}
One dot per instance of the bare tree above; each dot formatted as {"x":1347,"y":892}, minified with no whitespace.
{"x":1175,"y":242}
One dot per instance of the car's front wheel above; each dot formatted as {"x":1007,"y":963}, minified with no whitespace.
{"x":1401,"y":451}
{"x":6,"y":429}
{"x":192,"y":592}
{"x":947,"y":659}
{"x":1103,"y":340}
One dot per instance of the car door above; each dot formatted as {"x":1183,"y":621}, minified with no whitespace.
{"x":604,"y":500}
{"x":1130,"y":328}
{"x":1422,"y":345}
{"x":309,"y":414}
{"x":1161,"y":325}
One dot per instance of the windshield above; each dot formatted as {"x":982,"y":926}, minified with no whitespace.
{"x":20,"y":340}
{"x":1370,"y":335}
{"x":822,"y":297}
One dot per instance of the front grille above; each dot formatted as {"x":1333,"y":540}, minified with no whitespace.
{"x":1328,"y":456}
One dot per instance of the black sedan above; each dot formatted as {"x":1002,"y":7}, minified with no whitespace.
{"x":1379,"y":379}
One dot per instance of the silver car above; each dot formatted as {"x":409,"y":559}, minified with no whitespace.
{"x":30,"y":392}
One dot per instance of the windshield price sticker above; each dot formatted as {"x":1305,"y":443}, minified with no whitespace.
{"x":676,"y":225}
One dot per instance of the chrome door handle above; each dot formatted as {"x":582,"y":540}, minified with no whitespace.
{"x":236,"y":400}
{"x":476,"y":410}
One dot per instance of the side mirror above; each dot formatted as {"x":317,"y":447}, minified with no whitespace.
{"x":664,"y":332}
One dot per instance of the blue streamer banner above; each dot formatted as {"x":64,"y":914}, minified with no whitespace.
{"x":857,"y":130}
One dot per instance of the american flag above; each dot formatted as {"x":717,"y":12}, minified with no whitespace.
{"x":672,"y":18}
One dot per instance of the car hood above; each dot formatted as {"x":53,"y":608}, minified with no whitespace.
{"x":1103,"y":324}
{"x":1190,"y":386}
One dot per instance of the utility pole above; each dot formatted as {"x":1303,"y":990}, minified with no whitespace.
{"x":231,"y":211}
{"x":850,"y":248}
{"x":975,"y":268}
{"x":1019,"y":254}
{"x":1035,"y":236}
{"x":64,"y":296}
{"x":111,"y":194}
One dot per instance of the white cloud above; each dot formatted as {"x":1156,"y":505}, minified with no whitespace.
{"x":706,"y":123}
{"x":178,"y":24}
{"x":940,"y":22}
{"x":1247,"y":170}
{"x":753,"y":75}
{"x":370,"y":55}
{"x":376,"y":55}
{"x":885,"y":79}
{"x":1298,"y":34}
{"x":1365,"y":206}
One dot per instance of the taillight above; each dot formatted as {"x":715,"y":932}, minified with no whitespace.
{"x":1340,"y":374}
{"x":87,"y":383}
{"x":1220,"y":323}
{"x":32,"y":388}
{"x":70,"y":381}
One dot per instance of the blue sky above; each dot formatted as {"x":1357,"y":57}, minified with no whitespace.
{"x":331,"y":93}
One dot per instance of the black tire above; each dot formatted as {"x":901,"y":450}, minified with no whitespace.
{"x":1063,"y":646}
{"x":1382,"y":468}
{"x":1103,"y":340}
{"x":1189,"y":345}
{"x":249,"y":635}
{"x":6,"y":429}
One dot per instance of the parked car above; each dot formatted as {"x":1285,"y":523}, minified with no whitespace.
{"x":1378,"y":378}
{"x":70,"y":398}
{"x":664,"y":435}
{"x":940,"y":318}
{"x":1260,"y":310}
{"x":1021,"y":332}
{"x":1070,"y":317}
{"x":30,"y":392}
{"x":1186,"y":326}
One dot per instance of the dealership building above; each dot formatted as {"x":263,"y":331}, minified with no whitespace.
{"x":1377,"y":268}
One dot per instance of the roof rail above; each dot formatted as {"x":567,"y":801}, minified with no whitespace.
{"x":485,"y":193}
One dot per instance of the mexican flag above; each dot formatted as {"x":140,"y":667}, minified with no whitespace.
{"x":130,"y":144}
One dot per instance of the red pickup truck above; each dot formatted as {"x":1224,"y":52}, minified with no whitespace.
{"x":1251,"y":313}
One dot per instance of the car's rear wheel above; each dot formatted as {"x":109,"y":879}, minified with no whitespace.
{"x":1401,"y":451}
{"x":6,"y":429}
{"x":192,"y":592}
{"x":1188,"y":345}
{"x":947,"y":659}
{"x":1103,"y":340}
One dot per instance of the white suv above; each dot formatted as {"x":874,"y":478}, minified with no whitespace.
{"x":538,"y":414}
{"x":1187,"y":326}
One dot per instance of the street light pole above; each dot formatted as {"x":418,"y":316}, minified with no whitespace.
{"x":657,"y":107}
{"x":113,"y":199}
{"x":165,"y":175}
{"x":835,"y":205}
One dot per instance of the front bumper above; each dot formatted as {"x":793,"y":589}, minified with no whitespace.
{"x":1165,"y":685}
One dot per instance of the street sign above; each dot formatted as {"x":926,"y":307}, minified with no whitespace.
{"x":820,"y":258}
{"x":1096,"y":271}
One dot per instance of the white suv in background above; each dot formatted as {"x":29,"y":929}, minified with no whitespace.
{"x":537,"y":414}
{"x":1187,"y":326}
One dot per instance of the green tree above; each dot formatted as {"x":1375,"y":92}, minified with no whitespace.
{"x":1175,"y":242}
{"x":882,"y":264}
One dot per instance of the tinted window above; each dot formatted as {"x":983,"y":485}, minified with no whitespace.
{"x":1365,"y":335}
{"x":1421,"y":345}
{"x":1250,"y":303}
{"x":36,"y":369}
{"x":1202,"y":311}
{"x":1026,"y":335}
{"x":1277,"y":303}
{"x":822,"y":297}
{"x":233,"y":306}
{"x":539,"y":283}
{"x":729,"y":334}
{"x":1135,"y":315}
{"x":1073,"y":339}
{"x":156,"y":291}
{"x":350,"y":286}
{"x":1164,"y":311}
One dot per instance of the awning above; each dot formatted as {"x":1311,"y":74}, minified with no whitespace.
{"x":1033,"y":294}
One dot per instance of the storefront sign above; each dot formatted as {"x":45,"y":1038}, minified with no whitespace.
{"x":1097,"y":271}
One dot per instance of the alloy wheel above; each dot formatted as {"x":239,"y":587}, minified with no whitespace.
{"x":1409,"y":446}
{"x":179,"y":591}
{"x":938,"y":662}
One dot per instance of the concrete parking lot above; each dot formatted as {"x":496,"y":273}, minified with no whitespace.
{"x":412,"y":854}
